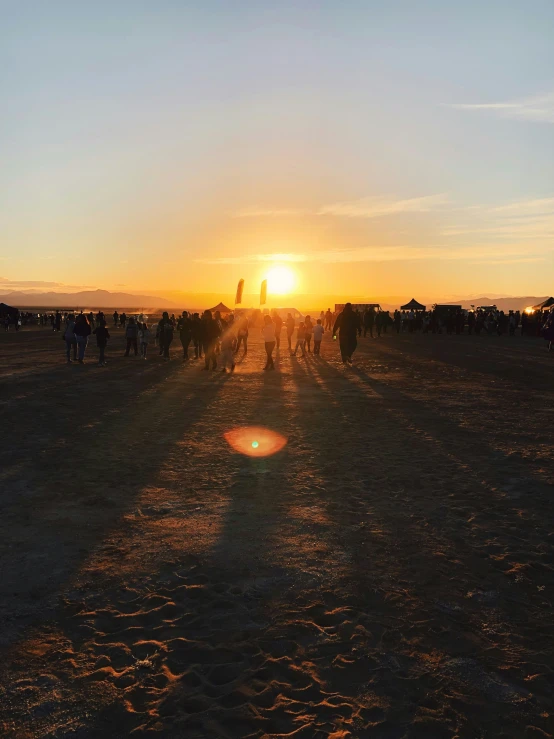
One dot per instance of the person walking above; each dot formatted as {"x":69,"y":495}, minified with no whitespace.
{"x":184,"y":328}
{"x":82,"y":332}
{"x":210,"y":337}
{"x":102,"y":336}
{"x":69,"y":338}
{"x":318,"y":336}
{"x":242,"y":335}
{"x":278,"y":323}
{"x":268,"y":332}
{"x":347,"y":326}
{"x":301,"y":339}
{"x":328,"y":320}
{"x":290,"y":330}
{"x":165,"y":334}
{"x":115,"y":318}
{"x":308,"y":332}
{"x":131,"y":336}
{"x":144,"y":340}
{"x":227,"y":351}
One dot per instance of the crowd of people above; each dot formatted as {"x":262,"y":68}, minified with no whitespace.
{"x":218,"y":339}
{"x":208,"y":337}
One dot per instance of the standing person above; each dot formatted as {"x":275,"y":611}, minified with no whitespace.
{"x":185,"y":333}
{"x":210,"y":336}
{"x":378,"y":322}
{"x":278,"y":323}
{"x":165,"y":334}
{"x":131,"y":336}
{"x":196,"y":330}
{"x":69,"y":338}
{"x":328,"y":320}
{"x":102,"y":336}
{"x":308,"y":332}
{"x":347,"y":325}
{"x":220,"y":329}
{"x":123,"y":319}
{"x":318,"y":336}
{"x":268,"y":332}
{"x":57,"y":321}
{"x":242,"y":334}
{"x":397,"y":321}
{"x":82,"y":332}
{"x":115,"y":318}
{"x":290,"y":330}
{"x":301,"y":339}
{"x":144,"y":340}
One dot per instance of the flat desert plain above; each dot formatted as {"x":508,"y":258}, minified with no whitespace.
{"x":387,"y":573}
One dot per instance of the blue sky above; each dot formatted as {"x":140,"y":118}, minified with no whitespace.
{"x":409,"y":145}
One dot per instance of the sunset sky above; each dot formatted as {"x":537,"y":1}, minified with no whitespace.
{"x":374,"y":148}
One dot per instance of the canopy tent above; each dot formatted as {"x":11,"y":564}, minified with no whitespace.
{"x":413,"y":305}
{"x":548,"y":303}
{"x":221,"y":307}
{"x":8,"y":310}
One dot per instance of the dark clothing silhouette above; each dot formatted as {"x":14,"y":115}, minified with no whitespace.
{"x":347,"y":324}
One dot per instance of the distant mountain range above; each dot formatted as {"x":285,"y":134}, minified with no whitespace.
{"x":504,"y":304}
{"x":93,"y":299}
{"x":96,"y":299}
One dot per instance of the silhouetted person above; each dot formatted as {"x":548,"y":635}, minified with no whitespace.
{"x":268,"y":332}
{"x":82,"y":332}
{"x":278,"y":323}
{"x":184,"y":328}
{"x":290,"y":330}
{"x":115,"y":318}
{"x":165,"y":334}
{"x":347,"y":324}
{"x":369,"y":321}
{"x":70,"y":341}
{"x":131,"y":337}
{"x":308,"y":333}
{"x":102,"y":336}
{"x":196,"y":328}
{"x":318,"y":336}
{"x":242,"y":335}
{"x":210,"y":336}
{"x":328,"y":320}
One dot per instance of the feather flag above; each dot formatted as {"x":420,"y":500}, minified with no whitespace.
{"x":263,"y":293}
{"x":240,"y":288}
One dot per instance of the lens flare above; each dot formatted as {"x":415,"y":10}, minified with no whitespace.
{"x":255,"y":441}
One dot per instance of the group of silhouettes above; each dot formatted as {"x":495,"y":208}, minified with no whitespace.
{"x":213,"y":338}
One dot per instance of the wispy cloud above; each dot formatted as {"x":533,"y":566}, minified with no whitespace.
{"x":268,"y":212}
{"x":370,"y":207}
{"x":539,"y":109}
{"x":483,"y":252}
{"x":527,"y":207}
{"x":374,"y":207}
{"x":531,"y":219}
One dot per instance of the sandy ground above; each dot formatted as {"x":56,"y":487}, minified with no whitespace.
{"x":389,"y":573}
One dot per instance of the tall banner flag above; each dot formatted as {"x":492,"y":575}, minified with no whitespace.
{"x":238,"y":296}
{"x":263,"y":293}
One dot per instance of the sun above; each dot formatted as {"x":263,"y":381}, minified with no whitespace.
{"x":280,"y":280}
